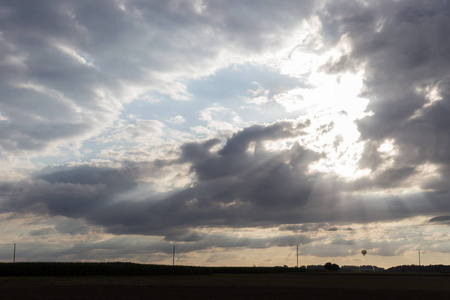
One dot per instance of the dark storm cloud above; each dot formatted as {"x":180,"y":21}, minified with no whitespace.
{"x":72,"y":200}
{"x":242,"y":184}
{"x":234,"y":187}
{"x":90,"y":189}
{"x":388,"y":178}
{"x":120,"y":178}
{"x":233,"y":157}
{"x":440,"y":220}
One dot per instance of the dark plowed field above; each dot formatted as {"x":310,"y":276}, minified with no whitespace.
{"x":259,"y":286}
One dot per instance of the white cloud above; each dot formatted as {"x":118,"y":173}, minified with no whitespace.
{"x":177,"y":120}
{"x":220,"y":119}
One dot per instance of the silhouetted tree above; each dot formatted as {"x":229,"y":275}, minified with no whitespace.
{"x":331,"y":267}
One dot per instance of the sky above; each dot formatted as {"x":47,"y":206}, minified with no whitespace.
{"x":232,"y":130}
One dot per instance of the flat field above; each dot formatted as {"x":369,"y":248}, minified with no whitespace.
{"x":230,"y":286}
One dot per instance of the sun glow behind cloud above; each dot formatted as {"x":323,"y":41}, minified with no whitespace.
{"x":331,"y":100}
{"x":334,"y":103}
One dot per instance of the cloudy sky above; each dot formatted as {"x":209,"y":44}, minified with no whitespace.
{"x":235,"y":130}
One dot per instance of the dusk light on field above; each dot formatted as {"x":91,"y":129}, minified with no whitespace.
{"x":235,"y":131}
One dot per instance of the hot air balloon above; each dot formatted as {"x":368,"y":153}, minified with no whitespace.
{"x":364,"y":252}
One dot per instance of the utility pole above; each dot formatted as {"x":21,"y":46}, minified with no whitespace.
{"x":419,"y":257}
{"x":297,"y":256}
{"x":173,"y":256}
